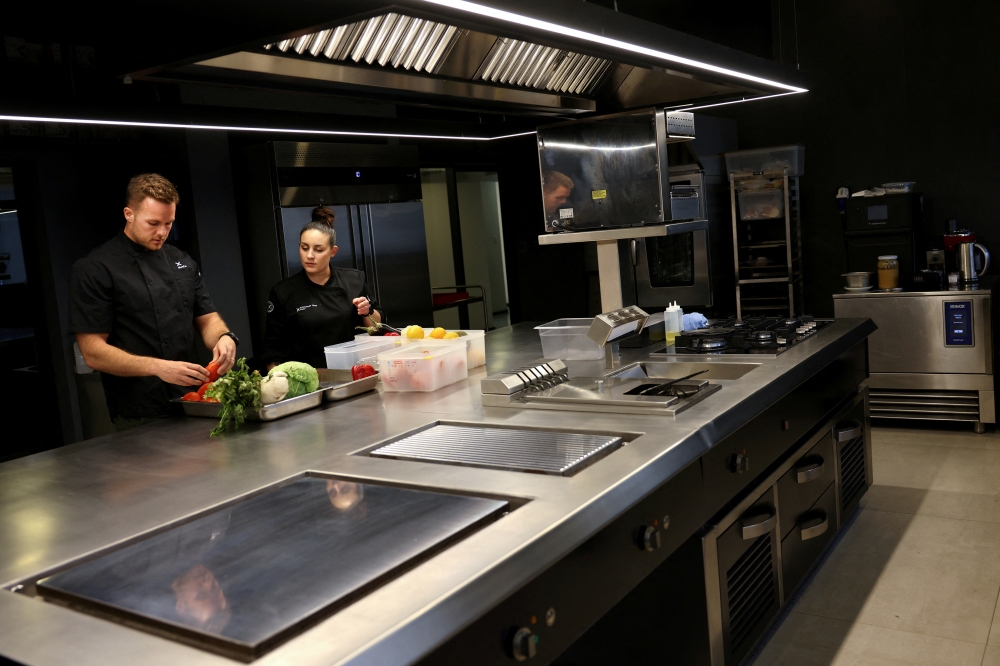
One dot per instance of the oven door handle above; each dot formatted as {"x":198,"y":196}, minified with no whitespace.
{"x":633,"y":249}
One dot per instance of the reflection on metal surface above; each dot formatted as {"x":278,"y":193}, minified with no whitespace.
{"x":242,"y":579}
{"x":540,"y":451}
{"x":609,"y":171}
{"x":392,"y":40}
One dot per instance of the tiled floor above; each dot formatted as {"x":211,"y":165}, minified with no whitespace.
{"x":916,"y":576}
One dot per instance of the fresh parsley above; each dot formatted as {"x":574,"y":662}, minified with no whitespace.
{"x":237,"y":391}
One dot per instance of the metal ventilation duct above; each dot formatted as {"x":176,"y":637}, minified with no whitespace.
{"x":517,"y":63}
{"x":389,"y":40}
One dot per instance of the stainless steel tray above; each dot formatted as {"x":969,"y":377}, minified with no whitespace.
{"x":278,"y":410}
{"x":338,"y":385}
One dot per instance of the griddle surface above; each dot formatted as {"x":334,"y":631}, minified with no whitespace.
{"x":242,"y":579}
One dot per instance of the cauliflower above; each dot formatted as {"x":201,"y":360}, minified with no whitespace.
{"x":273,"y":388}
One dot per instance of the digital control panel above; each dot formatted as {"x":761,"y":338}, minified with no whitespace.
{"x":958,"y":324}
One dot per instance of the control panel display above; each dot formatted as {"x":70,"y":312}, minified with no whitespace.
{"x":958,"y":324}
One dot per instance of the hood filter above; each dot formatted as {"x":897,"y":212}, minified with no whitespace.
{"x":390,"y":40}
{"x":517,"y":63}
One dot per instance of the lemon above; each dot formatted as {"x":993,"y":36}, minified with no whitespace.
{"x":414,"y":332}
{"x":438,"y":333}
{"x":451,"y":335}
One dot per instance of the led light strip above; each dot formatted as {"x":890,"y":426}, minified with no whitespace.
{"x":236,"y":128}
{"x":520,"y":19}
{"x":688,"y":107}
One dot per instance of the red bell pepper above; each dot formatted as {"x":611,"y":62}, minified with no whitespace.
{"x":362,"y":371}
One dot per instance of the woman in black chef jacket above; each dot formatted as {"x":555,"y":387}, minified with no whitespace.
{"x":320,"y":306}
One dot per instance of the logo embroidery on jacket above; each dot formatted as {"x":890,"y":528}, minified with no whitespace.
{"x":180,"y":265}
{"x":306,"y":307}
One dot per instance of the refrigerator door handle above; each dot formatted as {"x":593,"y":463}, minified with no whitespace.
{"x":368,"y":242}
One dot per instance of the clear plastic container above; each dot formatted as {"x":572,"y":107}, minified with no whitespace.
{"x":347,"y":354}
{"x":475,"y":342}
{"x":567,"y":339}
{"x":762,"y":205}
{"x":764,"y":160}
{"x":417,"y":367}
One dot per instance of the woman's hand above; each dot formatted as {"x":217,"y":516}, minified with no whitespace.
{"x":363,"y":305}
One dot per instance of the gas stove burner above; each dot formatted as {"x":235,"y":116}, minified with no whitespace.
{"x":763,"y":338}
{"x":739,"y":326}
{"x":709,"y":344}
{"x":792,"y":323}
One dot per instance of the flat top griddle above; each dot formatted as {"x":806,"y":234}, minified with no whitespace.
{"x":240,"y":580}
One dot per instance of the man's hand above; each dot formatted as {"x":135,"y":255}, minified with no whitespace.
{"x":224,"y":354}
{"x":181,"y":373}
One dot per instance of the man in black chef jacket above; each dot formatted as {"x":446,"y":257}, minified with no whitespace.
{"x":135,"y":304}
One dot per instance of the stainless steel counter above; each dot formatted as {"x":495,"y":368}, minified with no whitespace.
{"x":58,"y":506}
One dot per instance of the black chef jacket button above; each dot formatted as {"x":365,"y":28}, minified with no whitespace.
{"x":166,"y":339}
{"x":158,"y":312}
{"x":170,"y":281}
{"x":150,"y":281}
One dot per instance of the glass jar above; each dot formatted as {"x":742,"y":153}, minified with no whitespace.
{"x":888,"y":271}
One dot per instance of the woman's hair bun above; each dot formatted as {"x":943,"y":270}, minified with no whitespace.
{"x":324,"y":215}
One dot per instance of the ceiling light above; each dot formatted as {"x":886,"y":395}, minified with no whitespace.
{"x":520,"y":19}
{"x":237,"y":128}
{"x":737,"y":101}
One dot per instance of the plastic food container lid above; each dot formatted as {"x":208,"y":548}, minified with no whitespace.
{"x":887,"y":257}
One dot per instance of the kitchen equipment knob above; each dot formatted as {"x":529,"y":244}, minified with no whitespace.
{"x":523,"y":644}
{"x":650,"y":538}
{"x":739,"y":463}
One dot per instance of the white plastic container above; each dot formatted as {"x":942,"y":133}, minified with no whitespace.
{"x":348,"y":354}
{"x":768,"y":160}
{"x":417,"y":367}
{"x":762,"y":205}
{"x":475,"y":342}
{"x":567,"y":339}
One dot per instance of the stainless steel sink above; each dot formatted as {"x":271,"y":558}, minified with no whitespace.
{"x":676,"y":369}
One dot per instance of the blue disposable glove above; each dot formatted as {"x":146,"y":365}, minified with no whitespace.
{"x":694,"y":320}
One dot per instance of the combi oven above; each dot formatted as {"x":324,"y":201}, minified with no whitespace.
{"x":659,"y":270}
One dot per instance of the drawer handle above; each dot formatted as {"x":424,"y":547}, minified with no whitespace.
{"x":847,"y":431}
{"x":810,"y":470}
{"x":811,"y":531}
{"x":763,"y":526}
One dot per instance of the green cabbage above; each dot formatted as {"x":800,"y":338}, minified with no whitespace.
{"x":302,"y":378}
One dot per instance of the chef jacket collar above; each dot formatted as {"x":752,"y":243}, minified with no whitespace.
{"x":131,"y":246}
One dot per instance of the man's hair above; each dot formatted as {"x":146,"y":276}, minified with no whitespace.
{"x":553,"y":179}
{"x":150,"y":185}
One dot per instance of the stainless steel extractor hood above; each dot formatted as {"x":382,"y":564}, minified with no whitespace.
{"x":561,"y":57}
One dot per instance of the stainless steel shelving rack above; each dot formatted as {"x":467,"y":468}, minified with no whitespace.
{"x":770,"y":288}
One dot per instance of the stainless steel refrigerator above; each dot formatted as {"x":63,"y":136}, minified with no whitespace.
{"x":374,"y":189}
{"x":387,"y":242}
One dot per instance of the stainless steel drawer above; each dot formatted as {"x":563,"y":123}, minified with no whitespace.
{"x":802,"y":485}
{"x":810,"y":534}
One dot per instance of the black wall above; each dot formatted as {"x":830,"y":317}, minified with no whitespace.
{"x":899,"y":90}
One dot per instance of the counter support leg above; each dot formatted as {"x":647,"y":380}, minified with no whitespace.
{"x":979,"y":427}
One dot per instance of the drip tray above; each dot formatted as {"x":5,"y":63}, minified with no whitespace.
{"x":560,"y":453}
{"x":241,"y":580}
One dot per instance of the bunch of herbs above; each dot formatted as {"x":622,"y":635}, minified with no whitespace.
{"x":237,"y":391}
